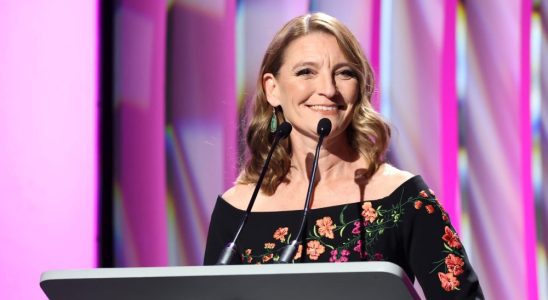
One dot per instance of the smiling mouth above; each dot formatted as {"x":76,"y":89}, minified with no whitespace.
{"x":324,"y":107}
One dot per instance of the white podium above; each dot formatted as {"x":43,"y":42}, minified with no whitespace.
{"x":318,"y":281}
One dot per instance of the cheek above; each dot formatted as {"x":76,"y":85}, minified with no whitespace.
{"x":350,"y":92}
{"x":295,"y":92}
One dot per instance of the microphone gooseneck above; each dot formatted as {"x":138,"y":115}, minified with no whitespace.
{"x":288,"y":252}
{"x":228,"y":252}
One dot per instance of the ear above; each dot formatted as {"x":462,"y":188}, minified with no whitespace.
{"x":270,"y":86}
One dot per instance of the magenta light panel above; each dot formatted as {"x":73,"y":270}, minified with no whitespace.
{"x":48,"y":141}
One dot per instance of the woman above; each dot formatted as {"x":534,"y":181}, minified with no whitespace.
{"x":362,"y":209}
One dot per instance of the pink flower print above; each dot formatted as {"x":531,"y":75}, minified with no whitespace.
{"x":342,"y":258}
{"x":333,"y":257}
{"x":357,"y":228}
{"x":378,"y":256}
{"x":358,"y":247}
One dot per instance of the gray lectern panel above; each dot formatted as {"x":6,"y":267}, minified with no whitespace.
{"x":358,"y":280}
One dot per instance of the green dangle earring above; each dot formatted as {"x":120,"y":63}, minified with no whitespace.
{"x":273,"y":121}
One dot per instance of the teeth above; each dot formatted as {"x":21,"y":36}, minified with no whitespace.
{"x":322,"y":107}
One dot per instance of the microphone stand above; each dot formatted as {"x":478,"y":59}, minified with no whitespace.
{"x":230,"y":249}
{"x":288,"y":252}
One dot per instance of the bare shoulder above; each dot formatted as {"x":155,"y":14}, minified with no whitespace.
{"x":387,"y":179}
{"x":238,"y":195}
{"x":394,"y":175}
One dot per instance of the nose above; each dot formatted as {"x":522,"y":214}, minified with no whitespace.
{"x":327,"y":86}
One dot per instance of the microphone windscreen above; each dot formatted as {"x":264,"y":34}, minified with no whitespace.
{"x":324,"y":127}
{"x":284,"y":130}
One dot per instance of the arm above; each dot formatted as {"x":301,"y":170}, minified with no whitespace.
{"x":435,"y":252}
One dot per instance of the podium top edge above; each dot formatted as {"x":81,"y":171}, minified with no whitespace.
{"x":178,"y":271}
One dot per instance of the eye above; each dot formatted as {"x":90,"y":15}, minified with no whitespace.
{"x":304,"y":71}
{"x":346,"y":74}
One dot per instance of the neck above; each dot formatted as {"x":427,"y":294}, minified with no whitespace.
{"x":336,"y":157}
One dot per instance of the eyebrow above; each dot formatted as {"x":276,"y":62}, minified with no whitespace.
{"x":305,"y":64}
{"x":315,"y":64}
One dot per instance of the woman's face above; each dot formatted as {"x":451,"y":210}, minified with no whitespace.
{"x":315,"y":81}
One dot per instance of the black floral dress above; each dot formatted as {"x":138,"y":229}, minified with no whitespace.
{"x":409,"y":228}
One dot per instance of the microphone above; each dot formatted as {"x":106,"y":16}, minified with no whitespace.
{"x":288,"y":252}
{"x":228,"y":252}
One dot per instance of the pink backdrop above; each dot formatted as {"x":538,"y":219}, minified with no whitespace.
{"x":48,"y":141}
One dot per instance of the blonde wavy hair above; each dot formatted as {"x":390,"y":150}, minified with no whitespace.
{"x":368,"y":133}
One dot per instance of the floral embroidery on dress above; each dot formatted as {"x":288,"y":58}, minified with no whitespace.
{"x":363,"y":232}
{"x":270,"y":251}
{"x":325,"y":227}
{"x":451,"y":238}
{"x":280,"y":234}
{"x":342,"y":257}
{"x":453,"y":263}
{"x":369,"y":213}
{"x":358,"y":235}
{"x":314,"y":250}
